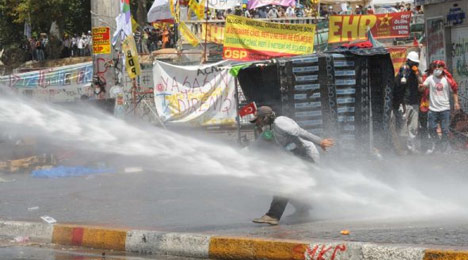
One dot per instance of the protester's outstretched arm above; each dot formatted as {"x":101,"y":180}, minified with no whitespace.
{"x":324,"y":143}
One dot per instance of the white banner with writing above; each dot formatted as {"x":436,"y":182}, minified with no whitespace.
{"x":59,"y":84}
{"x":200,"y":95}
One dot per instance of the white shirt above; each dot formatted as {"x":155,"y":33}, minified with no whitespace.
{"x":439,"y":93}
{"x":286,"y":131}
{"x":290,"y":12}
{"x":273,"y":13}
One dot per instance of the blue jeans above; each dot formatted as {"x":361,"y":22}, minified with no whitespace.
{"x":443,"y":118}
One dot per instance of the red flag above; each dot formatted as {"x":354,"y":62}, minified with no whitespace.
{"x":248,"y":109}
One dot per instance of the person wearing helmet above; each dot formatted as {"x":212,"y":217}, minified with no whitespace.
{"x":406,"y":99}
{"x":285,"y":133}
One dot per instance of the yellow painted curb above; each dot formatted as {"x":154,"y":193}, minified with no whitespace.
{"x":93,"y":237}
{"x":248,"y":248}
{"x":445,"y":255}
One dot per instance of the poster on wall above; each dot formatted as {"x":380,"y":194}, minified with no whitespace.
{"x":460,"y":63}
{"x":199,"y":95}
{"x":435,"y":39}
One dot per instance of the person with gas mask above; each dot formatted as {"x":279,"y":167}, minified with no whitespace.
{"x":407,"y":98}
{"x":440,"y":84}
{"x":286,"y":134}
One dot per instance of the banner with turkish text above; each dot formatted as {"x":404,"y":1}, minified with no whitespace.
{"x":214,"y":34}
{"x":345,"y":28}
{"x":248,"y":39}
{"x":58,"y":84}
{"x":101,"y":40}
{"x":199,"y":95}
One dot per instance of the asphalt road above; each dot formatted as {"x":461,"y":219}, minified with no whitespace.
{"x":428,"y":200}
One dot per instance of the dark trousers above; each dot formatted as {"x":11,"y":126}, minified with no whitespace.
{"x":278,"y":205}
{"x":424,"y":131}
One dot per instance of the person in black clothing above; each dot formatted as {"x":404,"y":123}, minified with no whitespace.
{"x":407,"y":99}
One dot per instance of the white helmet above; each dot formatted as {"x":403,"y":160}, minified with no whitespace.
{"x":413,"y":56}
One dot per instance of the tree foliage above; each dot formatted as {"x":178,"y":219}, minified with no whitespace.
{"x":70,"y":15}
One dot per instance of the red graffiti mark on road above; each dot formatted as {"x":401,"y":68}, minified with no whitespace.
{"x":298,"y":251}
{"x":317,"y":252}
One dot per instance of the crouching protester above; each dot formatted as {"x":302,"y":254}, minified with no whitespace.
{"x":285,"y":133}
{"x":440,"y":85}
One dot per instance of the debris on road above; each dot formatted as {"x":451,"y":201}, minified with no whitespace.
{"x":344,"y":232}
{"x":48,"y":219}
{"x":33,"y":208}
{"x":20,"y":239}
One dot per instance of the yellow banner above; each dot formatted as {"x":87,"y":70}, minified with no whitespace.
{"x":198,"y":8}
{"x":249,"y":39}
{"x":131,"y":56}
{"x":214,"y":34}
{"x":174,"y":12}
{"x":188,"y":35}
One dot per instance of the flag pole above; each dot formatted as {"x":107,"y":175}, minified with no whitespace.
{"x":236,"y":85}
{"x":205,"y":54}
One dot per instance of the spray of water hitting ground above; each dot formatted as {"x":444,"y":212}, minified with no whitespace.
{"x":390,"y":188}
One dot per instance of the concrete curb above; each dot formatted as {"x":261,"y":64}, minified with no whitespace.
{"x":218,"y":247}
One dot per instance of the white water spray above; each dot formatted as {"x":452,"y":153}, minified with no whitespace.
{"x":376,"y":190}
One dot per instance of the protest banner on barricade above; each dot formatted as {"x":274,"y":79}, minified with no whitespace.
{"x":59,"y":84}
{"x":345,"y":28}
{"x":259,"y":3}
{"x":215,"y":33}
{"x":398,"y":56}
{"x":188,"y":35}
{"x":199,"y":95}
{"x":248,"y":39}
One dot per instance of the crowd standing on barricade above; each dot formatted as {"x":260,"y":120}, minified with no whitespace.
{"x":151,"y":38}
{"x":276,"y":11}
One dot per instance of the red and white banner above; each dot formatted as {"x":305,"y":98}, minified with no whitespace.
{"x":345,"y":28}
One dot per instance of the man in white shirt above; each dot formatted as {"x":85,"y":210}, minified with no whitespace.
{"x":439,"y":104}
{"x":273,"y":13}
{"x":290,"y":12}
